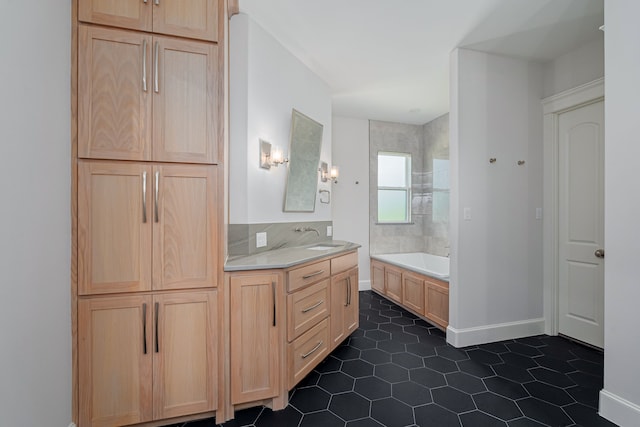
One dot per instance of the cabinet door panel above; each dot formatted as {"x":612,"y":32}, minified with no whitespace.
{"x":185,"y":230}
{"x":185,"y":363}
{"x":114,"y":241}
{"x":114,"y":110}
{"x":133,"y":14}
{"x":413,"y":293}
{"x":352,"y":309}
{"x":437,"y":303}
{"x":197,"y":19}
{"x":393,"y":283}
{"x":185,"y":113}
{"x":255,"y":336}
{"x":344,"y":306}
{"x":377,"y":277}
{"x":113,"y":364}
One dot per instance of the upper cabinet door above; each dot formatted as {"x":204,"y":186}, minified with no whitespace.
{"x":133,"y":14}
{"x":185,"y":230}
{"x":114,"y":103}
{"x":185,"y":101}
{"x":197,"y":19}
{"x":114,"y":227}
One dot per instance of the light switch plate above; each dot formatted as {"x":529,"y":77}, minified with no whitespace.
{"x":329,"y":231}
{"x":538,"y":213}
{"x":261,"y":240}
{"x":467,"y":214}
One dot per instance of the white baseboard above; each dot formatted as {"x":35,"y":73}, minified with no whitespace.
{"x":72,"y":424}
{"x":364,"y":285}
{"x":497,"y":332}
{"x":619,"y":410}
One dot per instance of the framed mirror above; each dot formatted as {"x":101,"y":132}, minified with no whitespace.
{"x":304,"y":158}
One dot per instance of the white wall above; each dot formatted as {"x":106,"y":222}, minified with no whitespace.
{"x":496,"y":262}
{"x":582,"y":65}
{"x":350,"y":200}
{"x":620,"y":399}
{"x":266,"y":82}
{"x":35,"y":317}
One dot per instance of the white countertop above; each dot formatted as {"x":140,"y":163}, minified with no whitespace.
{"x":288,"y":257}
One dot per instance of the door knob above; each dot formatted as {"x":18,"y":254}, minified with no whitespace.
{"x":599,"y":253}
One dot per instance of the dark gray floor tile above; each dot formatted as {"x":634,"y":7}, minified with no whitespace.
{"x":421,"y":349}
{"x":495,"y":347}
{"x":435,"y":415}
{"x":365,"y":422}
{"x":551,"y":377}
{"x":532,"y":341}
{"x":411,"y":393}
{"x":362,"y":343}
{"x":321,"y":419}
{"x":554,"y":364}
{"x":391,"y":346}
{"x":209,"y":422}
{"x":407,"y":360}
{"x":346,"y":352}
{"x":391,"y":313}
{"x":287,"y":417}
{"x":506,"y":388}
{"x":391,"y":373}
{"x":375,"y":356}
{"x":543,"y":412}
{"x":433,"y":340}
{"x":585,"y":416}
{"x":330,"y":364}
{"x":480,"y":419}
{"x":440,"y":364}
{"x":483,"y":356}
{"x":378,"y":335}
{"x":404,"y":338}
{"x":357,"y":368}
{"x":586,"y":380}
{"x":390,"y":327}
{"x":403,"y":321}
{"x":452,"y":353}
{"x":350,"y":406}
{"x":549,"y":393}
{"x":498,"y":406}
{"x":244,"y":417}
{"x":588,"y":367}
{"x":336,"y":382}
{"x":525,"y":422}
{"x":513,"y":373}
{"x":392,"y":413}
{"x":372,"y":388}
{"x":416,"y":330}
{"x":310,"y":399}
{"x":427,"y":377}
{"x":453,"y":399}
{"x":477,"y":369}
{"x":586,"y":396}
{"x":311,"y":379}
{"x":465,"y":382}
{"x":516,"y":359}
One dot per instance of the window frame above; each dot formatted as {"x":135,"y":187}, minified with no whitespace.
{"x":407,"y":188}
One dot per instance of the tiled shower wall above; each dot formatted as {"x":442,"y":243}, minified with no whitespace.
{"x":429,"y":229}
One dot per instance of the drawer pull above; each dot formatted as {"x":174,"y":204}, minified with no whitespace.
{"x":348,"y":292}
{"x":144,"y":328}
{"x":308,"y":276}
{"x":273,"y":291}
{"x":313,"y":350}
{"x":308,"y":309}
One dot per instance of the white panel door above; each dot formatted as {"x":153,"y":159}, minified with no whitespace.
{"x":581,"y":224}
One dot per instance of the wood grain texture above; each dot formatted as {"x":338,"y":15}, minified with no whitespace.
{"x":300,"y":277}
{"x":196,"y":19}
{"x":74,"y":211}
{"x":344,"y":306}
{"x":185,"y":236}
{"x":413,"y":292}
{"x":115,"y":374}
{"x":234,"y":8}
{"x":377,"y":277}
{"x":307,"y":351}
{"x":132,"y":14}
{"x":306,"y":307}
{"x":256,"y":344}
{"x":114,"y":244}
{"x":437,"y":302}
{"x":185,"y":112}
{"x":344,"y":262}
{"x":114,"y":111}
{"x":393,"y":283}
{"x":185,"y":371}
{"x":352,"y":310}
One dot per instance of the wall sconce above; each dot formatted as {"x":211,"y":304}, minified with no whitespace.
{"x":327,"y":174}
{"x":270,"y":156}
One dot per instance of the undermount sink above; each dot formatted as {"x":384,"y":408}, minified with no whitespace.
{"x":324,"y":247}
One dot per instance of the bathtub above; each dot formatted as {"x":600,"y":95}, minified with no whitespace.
{"x":419,"y":262}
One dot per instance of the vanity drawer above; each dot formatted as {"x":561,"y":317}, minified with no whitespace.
{"x":307,"y":351}
{"x":307,"y":307}
{"x":344,"y":262}
{"x":303,"y":276}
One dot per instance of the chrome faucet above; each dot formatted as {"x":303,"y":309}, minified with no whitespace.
{"x":303,"y":229}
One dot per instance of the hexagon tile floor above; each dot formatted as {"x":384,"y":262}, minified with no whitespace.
{"x":397,"y":370}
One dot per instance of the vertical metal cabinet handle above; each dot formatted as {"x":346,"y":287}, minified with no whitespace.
{"x":144,"y":196}
{"x":144,"y":328}
{"x":348,"y":291}
{"x":156,"y":190}
{"x":157,"y":316}
{"x":144,"y":65}
{"x":273,"y":291}
{"x":155,"y":66}
{"x":157,"y":2}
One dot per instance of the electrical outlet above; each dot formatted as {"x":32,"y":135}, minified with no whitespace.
{"x":538,"y":213}
{"x":329,"y":231}
{"x":261,"y":240}
{"x":467,"y":214}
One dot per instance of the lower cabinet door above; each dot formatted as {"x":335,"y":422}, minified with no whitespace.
{"x":115,"y":360}
{"x":257,"y":316}
{"x":413,"y":292}
{"x":344,"y":306}
{"x":185,"y":353}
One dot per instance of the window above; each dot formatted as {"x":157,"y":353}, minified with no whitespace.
{"x":394,"y":187}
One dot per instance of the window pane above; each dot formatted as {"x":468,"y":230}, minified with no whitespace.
{"x":441,"y":174}
{"x":392,"y":170}
{"x":392,"y":206}
{"x":441,"y":206}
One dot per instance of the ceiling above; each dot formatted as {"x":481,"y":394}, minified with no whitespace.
{"x":389,"y":60}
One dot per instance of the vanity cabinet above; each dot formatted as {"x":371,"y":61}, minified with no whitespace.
{"x":146,"y":227}
{"x":344,"y":305}
{"x":197,"y":19}
{"x":145,"y":97}
{"x":136,"y":362}
{"x":257,"y":329}
{"x":423,"y":295}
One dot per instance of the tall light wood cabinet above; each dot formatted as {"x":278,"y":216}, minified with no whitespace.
{"x":147,"y":91}
{"x":257,"y":304}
